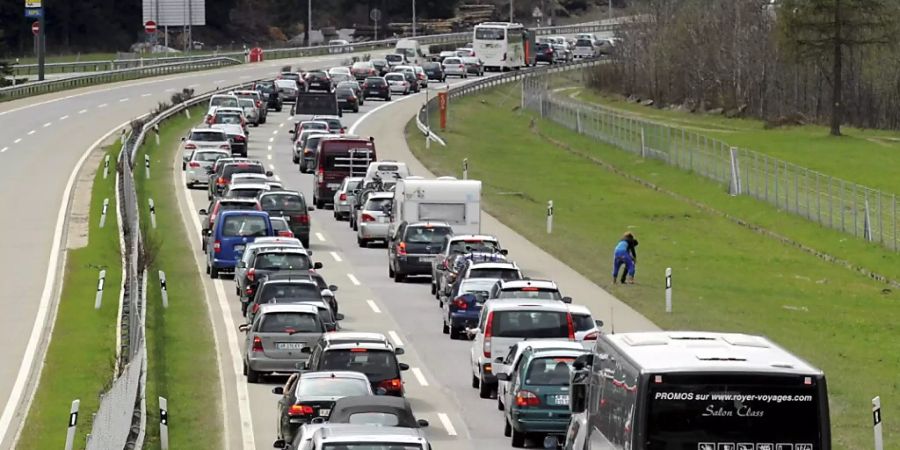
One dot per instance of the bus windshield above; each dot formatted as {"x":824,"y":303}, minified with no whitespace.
{"x":490,"y":34}
{"x":738,"y":412}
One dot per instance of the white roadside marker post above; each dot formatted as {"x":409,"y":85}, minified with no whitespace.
{"x":163,"y":289}
{"x":152,"y":212}
{"x":147,"y":166}
{"x":106,"y":167}
{"x":465,"y":168}
{"x":98,"y":300}
{"x":163,"y":423}
{"x":668,"y":289}
{"x":876,"y":423}
{"x":73,"y":421}
{"x":103,"y":213}
{"x":550,"y":217}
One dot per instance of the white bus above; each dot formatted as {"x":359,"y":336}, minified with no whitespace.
{"x":500,"y":45}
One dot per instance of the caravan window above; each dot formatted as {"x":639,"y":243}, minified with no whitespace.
{"x":447,"y":212}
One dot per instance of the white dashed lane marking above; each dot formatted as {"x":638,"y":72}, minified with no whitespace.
{"x":419,"y":376}
{"x":17,"y":140}
{"x":353,"y":279}
{"x":320,"y":237}
{"x":445,"y":420}
{"x":271,"y":139}
{"x":374,"y":307}
{"x":64,"y":117}
{"x":336,"y":256}
{"x":47,"y":125}
{"x":396,"y":338}
{"x":122,"y":100}
{"x":4,"y":149}
{"x":31,"y":132}
{"x":102,"y":105}
{"x":82,"y":111}
{"x":146,"y":95}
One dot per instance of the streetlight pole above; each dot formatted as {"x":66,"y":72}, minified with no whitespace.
{"x":512,"y":10}
{"x":309,"y":23}
{"x":414,"y":18}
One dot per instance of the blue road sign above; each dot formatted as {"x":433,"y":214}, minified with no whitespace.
{"x":34,"y":13}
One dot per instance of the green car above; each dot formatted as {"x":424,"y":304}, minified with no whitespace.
{"x":538,"y":395}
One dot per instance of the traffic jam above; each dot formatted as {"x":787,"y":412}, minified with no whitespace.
{"x":557,"y":377}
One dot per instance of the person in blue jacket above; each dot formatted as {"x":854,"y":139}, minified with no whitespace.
{"x":625,"y":255}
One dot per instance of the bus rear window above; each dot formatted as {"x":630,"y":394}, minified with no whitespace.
{"x":699,"y":412}
{"x":490,"y":34}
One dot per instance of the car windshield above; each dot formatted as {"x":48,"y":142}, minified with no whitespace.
{"x":237,"y":206}
{"x":314,"y":126}
{"x":530,"y":324}
{"x":374,"y":418}
{"x":394,"y":77}
{"x":431,"y":66}
{"x":242,"y":168}
{"x":378,"y":204}
{"x":427,"y":235}
{"x":290,"y":76}
{"x":332,"y":387}
{"x":316,"y":75}
{"x":244,"y":226}
{"x":208,"y":156}
{"x":279,"y":224}
{"x":283,"y":202}
{"x":530,"y":293}
{"x":289,"y":322}
{"x":286,"y":84}
{"x":227,"y":118}
{"x":362,"y":65}
{"x":289,"y":290}
{"x":375,"y":81}
{"x":376,"y":364}
{"x":394,"y":58}
{"x":282,"y":261}
{"x":498,"y":273}
{"x":583,"y":43}
{"x":474,"y":246}
{"x":312,"y":142}
{"x":224,"y":101}
{"x":244,"y":192}
{"x":334,"y":124}
{"x":583,"y":322}
{"x":490,"y":34}
{"x":551,"y":371}
{"x":450,"y":61}
{"x":207,"y":136}
{"x":247,"y":103}
{"x":344,"y":92}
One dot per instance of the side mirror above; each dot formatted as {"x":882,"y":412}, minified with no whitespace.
{"x":244,"y":327}
{"x":599,"y":323}
{"x":242,"y":264}
{"x":207,"y":232}
{"x":498,"y":359}
{"x":203,"y":212}
{"x":404,"y":366}
{"x":318,"y":420}
{"x":278,"y":390}
{"x":422,"y":423}
{"x":567,"y":299}
{"x":317,"y":265}
{"x":504,"y":252}
{"x":306,"y":350}
{"x":311,"y":208}
{"x":380,"y":391}
{"x":338,"y":316}
{"x":329,"y":327}
{"x":326,"y":293}
{"x":583,"y":361}
{"x":269,"y":173}
{"x":471,"y":332}
{"x":399,"y":351}
{"x":332,"y":288}
{"x":503,"y":377}
{"x":280,"y":444}
{"x":578,"y":398}
{"x":292,"y":131}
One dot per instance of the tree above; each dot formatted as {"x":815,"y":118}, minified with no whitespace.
{"x":824,"y":30}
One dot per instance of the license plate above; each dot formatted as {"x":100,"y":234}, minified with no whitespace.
{"x":289,"y":345}
{"x":373,"y":92}
{"x":324,"y":412}
{"x":561,"y":400}
{"x":426,"y":259}
{"x":334,"y":185}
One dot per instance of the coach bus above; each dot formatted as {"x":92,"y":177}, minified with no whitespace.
{"x":503,"y":46}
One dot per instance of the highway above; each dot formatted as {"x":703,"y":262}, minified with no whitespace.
{"x":438,"y":385}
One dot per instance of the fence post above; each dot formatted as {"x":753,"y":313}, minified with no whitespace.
{"x":73,"y":421}
{"x":841,"y":205}
{"x":894,"y":218}
{"x":156,"y":129}
{"x":867,"y":222}
{"x":163,"y":423}
{"x":98,"y":300}
{"x":775,"y":165}
{"x":578,"y":120}
{"x":735,"y":173}
{"x":876,"y":423}
{"x":550,"y":217}
{"x":880,"y":219}
{"x":668,"y":289}
{"x":103,"y":212}
{"x":643,"y":143}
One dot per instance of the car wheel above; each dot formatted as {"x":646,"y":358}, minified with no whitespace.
{"x":252,"y":376}
{"x":336,"y":216}
{"x":295,"y":159}
{"x":305,"y":242}
{"x":399,"y":277}
{"x":507,"y":429}
{"x":517,"y":438}
{"x":278,"y":109}
{"x":445,"y":328}
{"x":207,"y":269}
{"x":213,"y":272}
{"x":189,"y":185}
{"x":484,"y":390}
{"x":433,"y":289}
{"x":320,"y":204}
{"x":361,"y":242}
{"x":454,"y":333}
{"x":500,"y":405}
{"x":390,"y":270}
{"x":356,"y":110}
{"x":475,"y":382}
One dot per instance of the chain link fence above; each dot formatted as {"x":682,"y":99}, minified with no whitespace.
{"x":852,"y":208}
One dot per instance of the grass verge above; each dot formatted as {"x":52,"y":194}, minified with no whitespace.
{"x":867,"y":157}
{"x":182,"y":361}
{"x":727,"y":276}
{"x":80,"y":359}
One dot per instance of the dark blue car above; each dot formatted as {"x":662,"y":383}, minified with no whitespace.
{"x":232,"y":231}
{"x":463,"y":305}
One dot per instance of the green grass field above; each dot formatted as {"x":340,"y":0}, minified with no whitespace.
{"x":80,"y":361}
{"x":727,"y":276}
{"x":867,"y":157}
{"x":182,"y":360}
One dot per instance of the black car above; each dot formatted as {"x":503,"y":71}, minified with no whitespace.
{"x":376,"y":87}
{"x":413,"y":246}
{"x":434,"y":71}
{"x":381,"y":410}
{"x":311,"y":395}
{"x":296,"y":76}
{"x":544,"y":53}
{"x":318,"y":80}
{"x":355,"y":86}
{"x":327,"y":290}
{"x":381,"y":66}
{"x":412,"y":79}
{"x":347,"y":99}
{"x":270,"y":95}
{"x":377,"y":360}
{"x":292,"y":206}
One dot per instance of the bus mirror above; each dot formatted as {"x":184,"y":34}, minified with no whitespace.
{"x":578,"y":400}
{"x":583,"y":361}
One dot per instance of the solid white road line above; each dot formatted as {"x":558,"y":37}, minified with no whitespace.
{"x":447,"y":424}
{"x":46,"y":125}
{"x":353,"y":279}
{"x":374,"y":307}
{"x":31,"y":132}
{"x":336,"y":256}
{"x":396,"y":338}
{"x":40,"y":321}
{"x":419,"y":376}
{"x":281,"y":125}
{"x":64,"y":117}
{"x":218,"y":81}
{"x":320,"y":237}
{"x":17,"y":140}
{"x":275,"y":132}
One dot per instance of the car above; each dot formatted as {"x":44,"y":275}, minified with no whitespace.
{"x":474,"y":66}
{"x":258,"y":100}
{"x":339,"y":69}
{"x":395,"y":59}
{"x":538,"y":395}
{"x":340,"y":436}
{"x":221,"y":115}
{"x":528,"y":289}
{"x":227,"y":100}
{"x":451,"y":246}
{"x":250,"y":111}
{"x":306,"y":125}
{"x":355,"y":87}
{"x":292,"y":206}
{"x":288,"y":90}
{"x":455,"y":66}
{"x":221,"y":178}
{"x":421,"y":76}
{"x":508,"y":363}
{"x":270,"y":95}
{"x":231,"y":232}
{"x":359,"y":200}
{"x":463,"y":306}
{"x":585,"y":48}
{"x":369,"y":353}
{"x":397,"y":82}
{"x":203,"y":139}
{"x":245,"y":190}
{"x":338,"y":157}
{"x":375,"y":410}
{"x":263,"y":243}
{"x":296,"y":77}
{"x":362,"y":69}
{"x":216,"y":171}
{"x":311,"y":150}
{"x":380,"y":65}
{"x":606,"y":47}
{"x":275,"y":337}
{"x":341,"y":78}
{"x":587,"y":329}
{"x":561,"y":53}
{"x":544,"y":53}
{"x":326,"y":291}
{"x":414,"y":246}
{"x":343,"y":197}
{"x":502,"y":323}
{"x":434,"y":71}
{"x":409,"y":73}
{"x":300,"y":142}
{"x":199,"y":163}
{"x":222,"y":204}
{"x":334,"y":123}
{"x":248,"y":178}
{"x":465,"y":52}
{"x":446,"y":54}
{"x":318,"y":80}
{"x":493,"y":265}
{"x":339,"y":46}
{"x":373,"y":219}
{"x":268,"y":260}
{"x":312,"y":394}
{"x":347,"y":99}
{"x":385,"y":170}
{"x":292,"y":288}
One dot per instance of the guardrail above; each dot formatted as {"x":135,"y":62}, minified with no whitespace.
{"x":44,"y":87}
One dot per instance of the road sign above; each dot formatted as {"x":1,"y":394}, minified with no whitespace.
{"x":33,"y":4}
{"x":34,"y":13}
{"x":150,"y":26}
{"x":375,"y":14}
{"x":537,"y":13}
{"x":35,"y":28}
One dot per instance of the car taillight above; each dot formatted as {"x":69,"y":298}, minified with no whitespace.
{"x":300,"y":410}
{"x":488,"y":329}
{"x":343,"y":129}
{"x":239,"y":138}
{"x":527,"y":399}
{"x":217,"y":246}
{"x":343,"y":197}
{"x":394,"y":385}
{"x":259,"y":104}
{"x":225,"y":147}
{"x":460,"y":303}
{"x":571,"y":327}
{"x":320,"y":177}
{"x":285,"y":233}
{"x":251,"y":274}
{"x":370,"y":218}
{"x":194,"y":164}
{"x":249,"y":292}
{"x":190,"y":147}
{"x":461,"y":66}
{"x":222,"y":181}
{"x":303,"y":219}
{"x":401,"y":248}
{"x":592,"y":336}
{"x":257,"y":344}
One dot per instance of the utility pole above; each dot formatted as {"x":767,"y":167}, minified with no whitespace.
{"x":309,"y":23}
{"x":190,"y":25}
{"x":609,"y":11}
{"x":42,"y":46}
{"x":512,"y":11}
{"x":414,"y":18}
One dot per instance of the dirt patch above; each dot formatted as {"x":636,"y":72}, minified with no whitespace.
{"x":80,"y":212}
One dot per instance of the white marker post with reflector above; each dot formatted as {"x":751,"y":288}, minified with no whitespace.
{"x":876,"y":423}
{"x":465,"y":168}
{"x":668,"y":289}
{"x":73,"y":421}
{"x":550,"y":217}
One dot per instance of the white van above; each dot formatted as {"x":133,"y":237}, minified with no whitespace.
{"x":457,"y":202}
{"x":411,"y":49}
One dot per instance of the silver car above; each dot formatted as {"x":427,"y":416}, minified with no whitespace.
{"x":199,"y":164}
{"x":456,"y":67}
{"x":204,"y":138}
{"x":248,"y":190}
{"x":343,"y":198}
{"x":251,"y":112}
{"x":247,"y":178}
{"x":397,"y":83}
{"x":352,"y":436}
{"x":276,"y":337}
{"x":373,"y":221}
